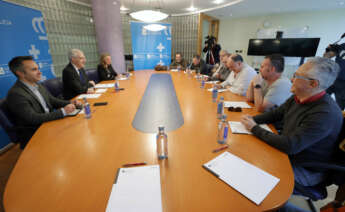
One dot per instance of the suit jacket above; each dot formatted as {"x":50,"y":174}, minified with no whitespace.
{"x":28,"y":114}
{"x":106,"y":74}
{"x":72,"y":85}
{"x":201,"y":68}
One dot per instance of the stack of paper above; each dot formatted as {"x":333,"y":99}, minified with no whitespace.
{"x":239,"y":128}
{"x":236,"y":104}
{"x":101,"y":90}
{"x":249,"y":180}
{"x":136,"y":189}
{"x":108,"y":85}
{"x":89,"y":96}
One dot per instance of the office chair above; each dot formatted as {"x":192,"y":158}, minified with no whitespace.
{"x":6,"y":122}
{"x":335,"y":169}
{"x":92,"y":74}
{"x":54,"y":86}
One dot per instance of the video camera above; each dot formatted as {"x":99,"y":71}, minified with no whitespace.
{"x":210,"y":41}
{"x":334,"y":47}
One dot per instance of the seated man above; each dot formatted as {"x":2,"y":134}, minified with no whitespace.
{"x":29,"y":102}
{"x":222,"y":72}
{"x":269,"y":88}
{"x":240,"y":76}
{"x":179,"y":62}
{"x":311,"y":119}
{"x":74,"y":78}
{"x":199,"y":65}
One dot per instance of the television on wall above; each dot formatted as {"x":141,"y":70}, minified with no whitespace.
{"x":289,"y":47}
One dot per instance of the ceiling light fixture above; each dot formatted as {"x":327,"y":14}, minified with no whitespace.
{"x":218,"y":1}
{"x":191,"y":8}
{"x":155,"y":27}
{"x":148,"y":15}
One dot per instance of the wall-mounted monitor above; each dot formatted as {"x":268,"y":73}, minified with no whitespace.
{"x":290,"y":47}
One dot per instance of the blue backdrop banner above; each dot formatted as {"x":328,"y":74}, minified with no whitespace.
{"x":22,"y":32}
{"x":150,"y":48}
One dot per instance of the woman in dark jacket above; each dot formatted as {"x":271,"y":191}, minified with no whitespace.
{"x":104,"y":69}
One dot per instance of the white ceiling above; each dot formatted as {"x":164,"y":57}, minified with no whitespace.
{"x":239,"y":8}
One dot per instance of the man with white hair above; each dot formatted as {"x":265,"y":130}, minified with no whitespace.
{"x":75,"y":80}
{"x":311,"y":119}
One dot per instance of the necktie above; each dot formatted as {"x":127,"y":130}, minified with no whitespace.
{"x":82,"y":79}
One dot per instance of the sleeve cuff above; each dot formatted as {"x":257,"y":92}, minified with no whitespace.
{"x":63,"y":112}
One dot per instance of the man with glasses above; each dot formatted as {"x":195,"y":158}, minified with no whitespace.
{"x":311,"y":120}
{"x":75,"y":80}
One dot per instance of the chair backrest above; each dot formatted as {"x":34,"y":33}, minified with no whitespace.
{"x":6,"y":121}
{"x":54,"y":86}
{"x":92,"y":74}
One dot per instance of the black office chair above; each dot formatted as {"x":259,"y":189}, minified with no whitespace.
{"x":6,"y":122}
{"x":54,"y":86}
{"x":92,"y":74}
{"x":335,"y":170}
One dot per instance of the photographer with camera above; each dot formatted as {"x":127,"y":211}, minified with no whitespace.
{"x":212,"y":50}
{"x":338,"y":87}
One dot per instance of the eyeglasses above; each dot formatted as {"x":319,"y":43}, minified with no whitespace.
{"x":301,"y":77}
{"x":235,"y":109}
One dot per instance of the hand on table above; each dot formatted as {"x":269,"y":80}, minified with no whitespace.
{"x":248,"y":122}
{"x":69,"y":108}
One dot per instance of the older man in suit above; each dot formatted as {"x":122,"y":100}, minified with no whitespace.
{"x":29,"y":102}
{"x":75,"y":80}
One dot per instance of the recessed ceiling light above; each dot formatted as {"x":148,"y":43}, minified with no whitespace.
{"x":218,"y":1}
{"x":191,"y":8}
{"x":114,"y":3}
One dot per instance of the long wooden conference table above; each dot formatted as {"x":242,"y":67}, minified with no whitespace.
{"x":70,"y":164}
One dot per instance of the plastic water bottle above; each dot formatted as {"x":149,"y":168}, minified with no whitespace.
{"x":223,"y":129}
{"x":220,"y":108}
{"x":202,"y":83}
{"x":87,"y":109}
{"x":162,"y":144}
{"x":214,"y":93}
{"x":116,"y":85}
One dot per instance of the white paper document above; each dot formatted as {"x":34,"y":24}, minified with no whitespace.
{"x":238,"y":128}
{"x":89,"y":96}
{"x":236,"y":104}
{"x":211,"y":82}
{"x":101,"y":90}
{"x":108,"y":85}
{"x":219,"y":90}
{"x":174,"y":70}
{"x":122,"y":78}
{"x":136,"y":189}
{"x":249,"y":180}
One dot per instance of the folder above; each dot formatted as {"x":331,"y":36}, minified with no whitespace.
{"x":249,"y":180}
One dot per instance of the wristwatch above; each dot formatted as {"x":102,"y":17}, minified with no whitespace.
{"x":257,"y":86}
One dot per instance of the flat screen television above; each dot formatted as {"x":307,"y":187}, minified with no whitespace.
{"x":290,"y":47}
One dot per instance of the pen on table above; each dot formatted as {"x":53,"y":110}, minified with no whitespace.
{"x":134,"y":164}
{"x":220,"y":149}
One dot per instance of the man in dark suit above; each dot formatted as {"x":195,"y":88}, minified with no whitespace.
{"x":199,"y":65}
{"x":29,"y":102}
{"x":75,"y":80}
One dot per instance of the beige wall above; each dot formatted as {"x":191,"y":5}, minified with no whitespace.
{"x":234,"y":34}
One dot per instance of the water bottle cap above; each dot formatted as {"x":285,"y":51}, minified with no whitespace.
{"x":221,"y":98}
{"x":160,"y":128}
{"x":224,"y":116}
